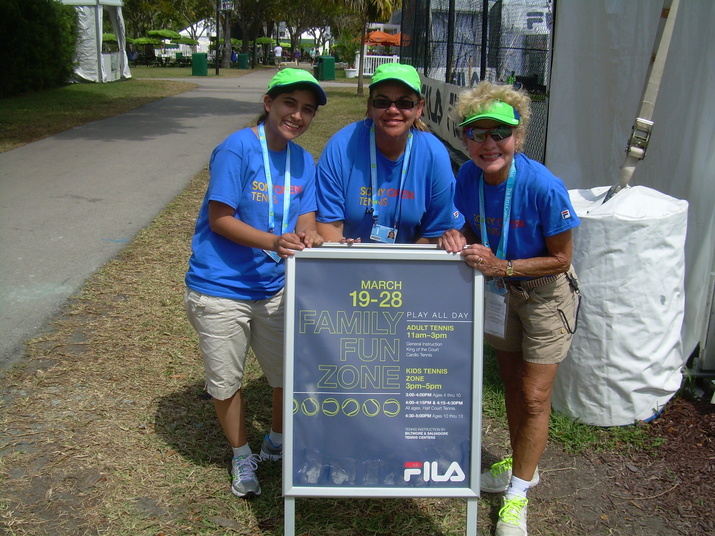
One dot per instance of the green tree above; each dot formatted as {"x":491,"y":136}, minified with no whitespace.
{"x":370,"y":11}
{"x":187,"y":13}
{"x":253,"y":16}
{"x":140,"y":16}
{"x":304,"y":15}
{"x":31,"y":28}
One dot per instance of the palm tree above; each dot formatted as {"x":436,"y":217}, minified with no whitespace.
{"x":370,"y":10}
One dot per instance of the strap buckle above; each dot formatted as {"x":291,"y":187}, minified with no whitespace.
{"x":640,"y":137}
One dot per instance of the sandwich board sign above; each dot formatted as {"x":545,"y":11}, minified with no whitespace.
{"x":383,"y":375}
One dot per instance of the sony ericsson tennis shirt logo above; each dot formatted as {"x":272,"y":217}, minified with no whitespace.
{"x":429,"y":471}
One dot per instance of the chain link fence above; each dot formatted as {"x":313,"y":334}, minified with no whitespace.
{"x":462,"y":42}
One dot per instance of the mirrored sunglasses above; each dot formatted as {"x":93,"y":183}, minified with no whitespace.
{"x":480,"y":134}
{"x":400,"y":104}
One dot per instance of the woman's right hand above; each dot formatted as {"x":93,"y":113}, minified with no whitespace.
{"x":452,"y":241}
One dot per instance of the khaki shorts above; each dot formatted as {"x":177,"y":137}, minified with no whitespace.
{"x":540,"y":322}
{"x":227,"y":328}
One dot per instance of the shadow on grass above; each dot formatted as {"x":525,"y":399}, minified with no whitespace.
{"x":186,"y":421}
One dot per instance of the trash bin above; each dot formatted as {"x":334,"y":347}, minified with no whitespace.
{"x":243,"y":61}
{"x":199,"y":64}
{"x":326,"y":68}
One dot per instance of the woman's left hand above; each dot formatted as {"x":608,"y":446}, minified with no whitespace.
{"x":311,"y":239}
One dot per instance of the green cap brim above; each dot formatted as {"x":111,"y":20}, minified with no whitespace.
{"x":289,"y":77}
{"x":498,"y":111}
{"x":399,"y":72}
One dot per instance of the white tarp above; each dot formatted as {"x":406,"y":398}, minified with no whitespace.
{"x":625,"y":358}
{"x":600,"y":60}
{"x":92,"y":65}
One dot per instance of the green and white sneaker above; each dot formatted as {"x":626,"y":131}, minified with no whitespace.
{"x":497,"y":478}
{"x":512,"y":517}
{"x":243,"y":470}
{"x":269,"y":451}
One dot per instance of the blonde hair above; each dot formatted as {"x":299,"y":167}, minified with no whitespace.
{"x":482,"y":96}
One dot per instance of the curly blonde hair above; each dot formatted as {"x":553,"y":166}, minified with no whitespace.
{"x":482,"y":96}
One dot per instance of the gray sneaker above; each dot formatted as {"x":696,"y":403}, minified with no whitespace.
{"x":243,"y":471}
{"x":497,"y":478}
{"x":269,"y":451}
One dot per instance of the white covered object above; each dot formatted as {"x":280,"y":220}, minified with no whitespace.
{"x":91,"y":64}
{"x":602,"y":50}
{"x":626,"y":356}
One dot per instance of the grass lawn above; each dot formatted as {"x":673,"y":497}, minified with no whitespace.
{"x":123,"y":439}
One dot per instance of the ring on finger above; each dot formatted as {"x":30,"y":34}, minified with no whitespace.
{"x":479,"y":261}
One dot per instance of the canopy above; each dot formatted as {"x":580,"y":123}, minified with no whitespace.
{"x":399,"y":37}
{"x":164,"y":34}
{"x":381,"y":38}
{"x":91,"y":64}
{"x":183,"y":40}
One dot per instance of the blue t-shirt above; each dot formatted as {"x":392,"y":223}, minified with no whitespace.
{"x":424,"y":207}
{"x":540,"y":207}
{"x":220,"y":267}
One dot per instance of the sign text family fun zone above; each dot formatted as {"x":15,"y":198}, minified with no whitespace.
{"x":382,"y":363}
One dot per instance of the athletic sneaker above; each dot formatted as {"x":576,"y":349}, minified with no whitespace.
{"x":512,"y":517}
{"x":497,"y":478}
{"x":269,"y":451}
{"x":243,"y":471}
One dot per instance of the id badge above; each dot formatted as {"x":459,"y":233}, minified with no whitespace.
{"x":497,"y":286}
{"x":273,"y":255}
{"x":495,"y":310}
{"x":381,"y":233}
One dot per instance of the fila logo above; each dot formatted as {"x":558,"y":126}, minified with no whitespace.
{"x":430,"y":471}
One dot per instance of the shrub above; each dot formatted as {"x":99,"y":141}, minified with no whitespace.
{"x":39,"y":42}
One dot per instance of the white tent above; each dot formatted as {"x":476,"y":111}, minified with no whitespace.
{"x":91,"y":64}
{"x":600,"y":61}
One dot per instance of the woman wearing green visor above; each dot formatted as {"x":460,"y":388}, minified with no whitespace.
{"x":259,"y":209}
{"x":386,"y":179}
{"x":518,"y":233}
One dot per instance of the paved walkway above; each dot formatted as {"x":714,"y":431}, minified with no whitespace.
{"x":71,"y":202}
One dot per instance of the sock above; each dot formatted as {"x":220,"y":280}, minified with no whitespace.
{"x":276,"y":438}
{"x":517,"y":487}
{"x":244,"y":451}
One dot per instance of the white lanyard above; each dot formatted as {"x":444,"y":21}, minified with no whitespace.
{"x":375,"y":208}
{"x":501,"y":251}
{"x":269,"y":184}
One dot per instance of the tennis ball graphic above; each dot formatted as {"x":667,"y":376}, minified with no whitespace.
{"x":331,"y":407}
{"x":391,"y":407}
{"x":351,"y":407}
{"x":310,"y":406}
{"x":371,"y":407}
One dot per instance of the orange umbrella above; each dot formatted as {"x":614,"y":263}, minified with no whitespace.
{"x":380,"y":38}
{"x":399,"y":38}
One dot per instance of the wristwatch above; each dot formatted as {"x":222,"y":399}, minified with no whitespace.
{"x":509,"y":269}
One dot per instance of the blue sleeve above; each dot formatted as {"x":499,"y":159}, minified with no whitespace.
{"x":226,"y":169}
{"x":441,"y":214}
{"x":307,"y":198}
{"x":556,"y":212}
{"x":331,"y":177}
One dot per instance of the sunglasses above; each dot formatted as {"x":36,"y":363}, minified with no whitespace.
{"x":400,"y":104}
{"x":480,"y":134}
